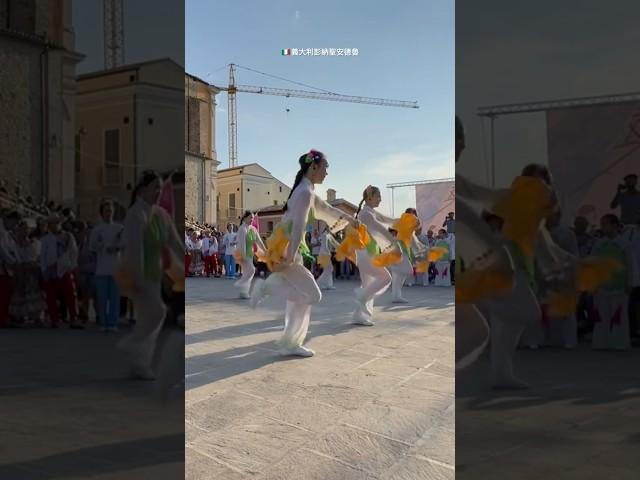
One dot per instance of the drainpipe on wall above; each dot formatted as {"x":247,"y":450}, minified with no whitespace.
{"x":44,"y":119}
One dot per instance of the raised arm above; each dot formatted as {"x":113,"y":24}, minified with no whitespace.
{"x":335,"y":218}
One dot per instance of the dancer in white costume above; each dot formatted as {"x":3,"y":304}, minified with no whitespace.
{"x":291,"y":279}
{"x":148,"y":231}
{"x":511,"y":311}
{"x":374,"y":280}
{"x":247,"y":237}
{"x":327,"y":244}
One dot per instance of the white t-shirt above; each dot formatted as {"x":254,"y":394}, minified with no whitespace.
{"x":104,"y":236}
{"x":229,"y":241}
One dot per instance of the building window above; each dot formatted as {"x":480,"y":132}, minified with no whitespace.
{"x":112,"y":157}
{"x":269,"y":226}
{"x":280,"y":189}
{"x":275,"y":202}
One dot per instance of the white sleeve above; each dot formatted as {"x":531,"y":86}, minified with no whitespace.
{"x":475,"y":193}
{"x":299,"y":215}
{"x":241,"y":241}
{"x":377,"y":229}
{"x":335,"y":218}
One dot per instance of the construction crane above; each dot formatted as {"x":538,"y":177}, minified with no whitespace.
{"x":113,"y":33}
{"x":233,"y":89}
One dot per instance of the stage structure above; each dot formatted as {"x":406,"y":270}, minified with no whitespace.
{"x":434,"y":199}
{"x":592,"y":143}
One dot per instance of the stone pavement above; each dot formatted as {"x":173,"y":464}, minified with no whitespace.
{"x":579,"y":420}
{"x":67,"y":411}
{"x":375,"y":403}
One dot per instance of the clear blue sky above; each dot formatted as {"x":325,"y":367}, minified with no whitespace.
{"x":406,"y":52}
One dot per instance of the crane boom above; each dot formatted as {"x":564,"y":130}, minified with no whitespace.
{"x":233,"y":89}
{"x":333,"y":97}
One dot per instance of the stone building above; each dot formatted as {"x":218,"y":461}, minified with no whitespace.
{"x":129,"y":120}
{"x":37,"y":94}
{"x":200,"y":161}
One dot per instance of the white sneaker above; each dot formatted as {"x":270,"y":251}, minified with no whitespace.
{"x":244,"y":295}
{"x":361,"y":301}
{"x":297,"y":352}
{"x":400,"y":300}
{"x":360,"y":318}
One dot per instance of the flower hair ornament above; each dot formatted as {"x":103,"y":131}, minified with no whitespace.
{"x":313,"y":156}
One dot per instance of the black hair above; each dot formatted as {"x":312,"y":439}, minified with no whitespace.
{"x":247,"y":213}
{"x":370,"y":190}
{"x":305,"y":162}
{"x":535,"y":170}
{"x":630,"y":175}
{"x":412,"y":211}
{"x":146,"y":179}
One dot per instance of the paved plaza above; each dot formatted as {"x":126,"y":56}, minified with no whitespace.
{"x":580,"y":419}
{"x":68,"y":410}
{"x":374,"y":403}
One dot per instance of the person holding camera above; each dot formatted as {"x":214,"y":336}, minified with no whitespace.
{"x":628,"y":199}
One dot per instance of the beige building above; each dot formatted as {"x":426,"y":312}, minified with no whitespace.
{"x":200,"y":163}
{"x":129,"y":120}
{"x":37,"y":88}
{"x":247,"y":187}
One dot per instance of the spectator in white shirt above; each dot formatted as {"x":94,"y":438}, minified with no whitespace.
{"x":107,"y":242}
{"x":229,"y":241}
{"x":58,"y":261}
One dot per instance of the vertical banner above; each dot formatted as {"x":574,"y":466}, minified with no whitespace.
{"x":591,"y":149}
{"x":433,"y":202}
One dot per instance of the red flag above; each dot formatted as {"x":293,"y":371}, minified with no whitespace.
{"x":166,"y":199}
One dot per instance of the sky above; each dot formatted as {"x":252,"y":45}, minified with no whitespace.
{"x":150,"y":33}
{"x":516,"y":52}
{"x":406,"y":52}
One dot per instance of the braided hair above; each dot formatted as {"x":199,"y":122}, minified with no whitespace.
{"x":146,"y":179}
{"x":368,"y":193}
{"x":247,"y":213}
{"x":305,"y":161}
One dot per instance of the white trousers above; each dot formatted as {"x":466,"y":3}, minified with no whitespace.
{"x":248,"y":272}
{"x":297,"y":285}
{"x":150,"y":311}
{"x":399,"y":273}
{"x":374,"y":281}
{"x":325,"y":280}
{"x":508,"y":317}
